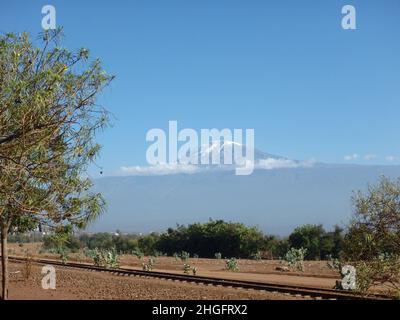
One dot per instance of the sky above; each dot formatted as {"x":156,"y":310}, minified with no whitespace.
{"x":287,"y":69}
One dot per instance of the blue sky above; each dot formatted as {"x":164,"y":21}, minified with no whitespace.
{"x":285,"y":68}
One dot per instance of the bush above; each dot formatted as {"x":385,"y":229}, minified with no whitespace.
{"x":218,"y":256}
{"x":228,"y":238}
{"x":383,"y":271}
{"x":149,"y":266}
{"x":185,"y":256}
{"x":104,"y":258}
{"x":319,"y":243}
{"x":295,"y":258}
{"x":372,"y":243}
{"x":139,"y":254}
{"x":375,"y":227}
{"x":232,"y":264}
{"x":187,"y":268}
{"x":256,"y":256}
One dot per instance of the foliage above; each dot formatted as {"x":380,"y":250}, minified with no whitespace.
{"x":48,"y":121}
{"x":139,"y":254}
{"x":383,"y":271}
{"x":372,"y":243}
{"x":185,"y":256}
{"x":149,"y":266}
{"x":256,"y":256}
{"x":270,"y":247}
{"x":230,"y":239}
{"x":232,"y":264}
{"x":334,"y":264}
{"x":317,"y":241}
{"x":128,"y":244}
{"x":295,"y":258}
{"x":104,"y":258}
{"x":375,"y":228}
{"x":187,"y":268}
{"x":147,"y":244}
{"x":275,"y":247}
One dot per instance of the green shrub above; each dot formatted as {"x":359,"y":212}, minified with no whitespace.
{"x":185,"y":256}
{"x":104,"y":258}
{"x":138,"y":254}
{"x":295,"y":258}
{"x":232,"y":264}
{"x":149,"y":266}
{"x":187,"y":268}
{"x":256,"y":256}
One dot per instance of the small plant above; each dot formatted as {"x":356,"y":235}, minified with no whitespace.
{"x":105,"y":258}
{"x":295,"y":258}
{"x":256,"y":256}
{"x":218,"y":255}
{"x":232,"y":264}
{"x":139,"y":254}
{"x":64,"y":255}
{"x":80,"y":256}
{"x":88,"y":253}
{"x":149,"y":266}
{"x":334,"y":264}
{"x":176,"y":256}
{"x":112,"y":259}
{"x":185,"y":256}
{"x":186,"y":268}
{"x":157,"y":253}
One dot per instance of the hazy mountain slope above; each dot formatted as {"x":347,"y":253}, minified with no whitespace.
{"x":275,"y":200}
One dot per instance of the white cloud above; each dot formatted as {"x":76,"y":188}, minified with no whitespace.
{"x":369,"y":157}
{"x":271,"y":163}
{"x":351,"y":157}
{"x":162,"y":169}
{"x":391,"y":158}
{"x":169,"y":169}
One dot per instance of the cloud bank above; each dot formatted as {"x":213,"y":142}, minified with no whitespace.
{"x":169,"y":169}
{"x":159,"y":170}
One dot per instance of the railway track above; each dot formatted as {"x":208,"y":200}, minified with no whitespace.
{"x":299,"y":291}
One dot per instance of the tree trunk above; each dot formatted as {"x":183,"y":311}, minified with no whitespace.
{"x":4,"y":263}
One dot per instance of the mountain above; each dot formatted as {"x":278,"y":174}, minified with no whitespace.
{"x":228,"y":150}
{"x":275,"y":198}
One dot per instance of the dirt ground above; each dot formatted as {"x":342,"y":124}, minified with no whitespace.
{"x":312,"y":268}
{"x":86,"y":285}
{"x":317,"y":273}
{"x":252,"y":270}
{"x":89,"y":285}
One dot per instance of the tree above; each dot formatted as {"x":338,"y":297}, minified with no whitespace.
{"x":338,"y":242}
{"x":48,"y":120}
{"x":205,"y":239}
{"x":375,"y":227}
{"x":308,"y":237}
{"x":372,"y":243}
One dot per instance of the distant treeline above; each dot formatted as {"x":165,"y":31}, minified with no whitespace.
{"x":206,"y":239}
